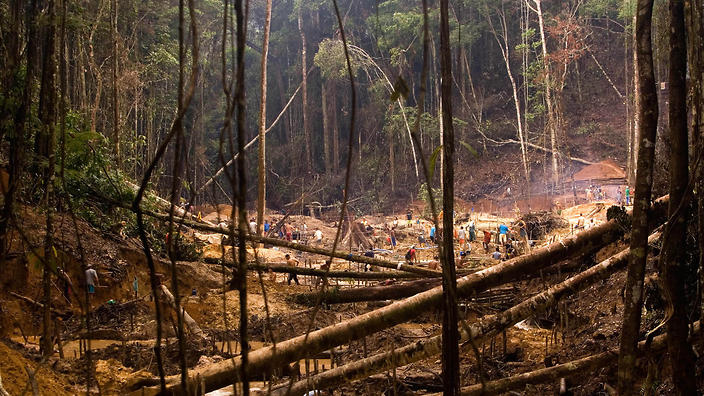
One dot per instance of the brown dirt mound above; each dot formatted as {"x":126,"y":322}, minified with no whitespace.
{"x":14,"y":376}
{"x":606,"y":169}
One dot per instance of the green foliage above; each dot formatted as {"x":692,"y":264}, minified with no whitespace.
{"x":330,"y":58}
{"x":423,"y":196}
{"x":587,"y":129}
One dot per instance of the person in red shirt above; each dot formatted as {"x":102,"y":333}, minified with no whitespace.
{"x":411,"y":255}
{"x":487,"y":240}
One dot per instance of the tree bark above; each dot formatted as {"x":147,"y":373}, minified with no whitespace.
{"x":326,"y":126}
{"x":648,"y":116}
{"x":45,"y":145}
{"x":673,"y":259}
{"x":115,"y":97}
{"x":450,"y":352}
{"x":261,"y":175}
{"x":304,"y":69}
{"x":18,"y":139}
{"x":551,"y":127}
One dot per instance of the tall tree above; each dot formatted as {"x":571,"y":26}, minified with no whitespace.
{"x":648,"y":116}
{"x":450,"y":336}
{"x":673,"y":259}
{"x":502,"y":39}
{"x":18,"y":137}
{"x":304,"y":94}
{"x":115,"y":97}
{"x":261,"y":186}
{"x":552,"y":126}
{"x":45,"y":145}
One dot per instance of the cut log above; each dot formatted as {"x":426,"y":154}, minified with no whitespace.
{"x":221,"y":374}
{"x":281,"y":268}
{"x":484,"y":328}
{"x":579,"y":366}
{"x":187,"y":319}
{"x":373,"y":293}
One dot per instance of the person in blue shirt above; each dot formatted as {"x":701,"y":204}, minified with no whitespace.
{"x":503,"y":231}
{"x":432,"y":234}
{"x":267,"y":226}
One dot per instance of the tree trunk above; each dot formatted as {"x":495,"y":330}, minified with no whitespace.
{"x":18,"y":140}
{"x":551,"y":127}
{"x":45,"y":143}
{"x":335,"y":132}
{"x":673,"y":259}
{"x":326,"y":126}
{"x":484,"y":328}
{"x":261,"y":179}
{"x":648,"y":116}
{"x":220,"y":374}
{"x":695,"y":52}
{"x":633,"y":138}
{"x":115,"y":97}
{"x":450,"y":352}
{"x":187,"y":319}
{"x":304,"y":70}
{"x":373,"y":293}
{"x":503,"y":43}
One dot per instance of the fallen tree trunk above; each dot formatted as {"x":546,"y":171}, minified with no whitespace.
{"x":220,"y":374}
{"x":485,"y":327}
{"x":281,"y":268}
{"x":372,"y":293}
{"x":187,"y":319}
{"x":579,"y":366}
{"x":410,"y":288}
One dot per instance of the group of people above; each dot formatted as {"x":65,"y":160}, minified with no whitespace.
{"x":595,"y":193}
{"x":620,"y":196}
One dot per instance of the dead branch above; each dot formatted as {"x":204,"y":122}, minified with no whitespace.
{"x":187,"y":319}
{"x":40,"y":305}
{"x":32,"y":380}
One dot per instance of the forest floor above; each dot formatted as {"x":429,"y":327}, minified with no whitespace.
{"x":124,"y":328}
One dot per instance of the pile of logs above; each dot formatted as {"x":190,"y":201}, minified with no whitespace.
{"x":220,"y":374}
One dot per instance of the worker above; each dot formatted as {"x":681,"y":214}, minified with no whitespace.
{"x":487,"y":240}
{"x":411,"y":255}
{"x":503,"y":233}
{"x":318,"y":237}
{"x":497,"y":254}
{"x":291,"y":262}
{"x":91,"y":279}
{"x":472,"y":231}
{"x":462,"y":238}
